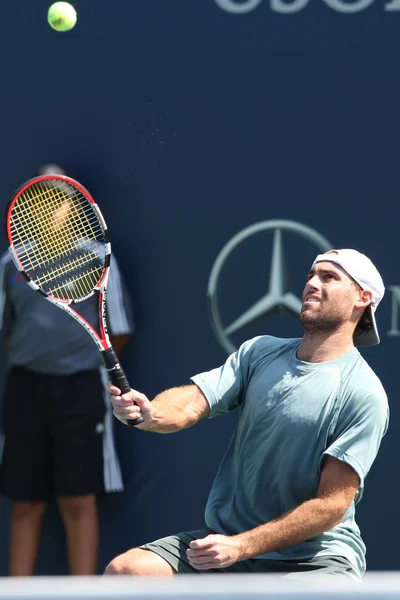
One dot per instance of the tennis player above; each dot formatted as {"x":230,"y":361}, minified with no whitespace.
{"x":312,"y":416}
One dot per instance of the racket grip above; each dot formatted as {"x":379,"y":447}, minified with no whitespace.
{"x":118,"y":378}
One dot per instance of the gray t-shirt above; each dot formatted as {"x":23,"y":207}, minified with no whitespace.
{"x":292,"y":414}
{"x":44,"y":338}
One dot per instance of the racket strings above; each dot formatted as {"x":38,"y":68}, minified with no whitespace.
{"x":53,"y":215}
{"x":58,"y":238}
{"x":61,"y":220}
{"x":79,"y":284}
{"x":50,"y":237}
{"x":63,"y":270}
{"x":40,"y":251}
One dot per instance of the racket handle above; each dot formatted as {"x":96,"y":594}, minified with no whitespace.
{"x":118,"y":378}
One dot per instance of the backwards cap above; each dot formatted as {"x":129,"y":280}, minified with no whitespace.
{"x":363,"y":271}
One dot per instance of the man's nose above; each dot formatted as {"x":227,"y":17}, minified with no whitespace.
{"x":313,"y":283}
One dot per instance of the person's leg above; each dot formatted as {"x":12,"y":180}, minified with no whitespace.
{"x":25,"y":530}
{"x":77,"y":430}
{"x":139,"y":562}
{"x":79,"y":514}
{"x":25,"y":467}
{"x":163,"y":557}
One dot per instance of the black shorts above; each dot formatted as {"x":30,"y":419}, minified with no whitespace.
{"x":53,"y":427}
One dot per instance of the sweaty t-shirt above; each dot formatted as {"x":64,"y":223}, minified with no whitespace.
{"x":292,"y":415}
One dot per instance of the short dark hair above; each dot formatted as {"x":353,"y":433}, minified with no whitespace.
{"x":365,"y":322}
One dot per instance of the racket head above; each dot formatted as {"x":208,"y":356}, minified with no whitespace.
{"x":58,"y":238}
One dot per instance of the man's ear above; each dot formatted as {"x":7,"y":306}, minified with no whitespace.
{"x":365,"y":299}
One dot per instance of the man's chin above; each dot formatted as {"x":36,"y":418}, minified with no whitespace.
{"x":307,"y":316}
{"x":310,"y":320}
{"x":314,"y":322}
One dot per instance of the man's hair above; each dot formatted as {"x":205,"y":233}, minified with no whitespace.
{"x":365,"y":322}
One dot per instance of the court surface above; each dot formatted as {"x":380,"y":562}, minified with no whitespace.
{"x":213,"y":587}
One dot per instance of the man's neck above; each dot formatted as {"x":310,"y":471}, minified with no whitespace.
{"x":319,"y":347}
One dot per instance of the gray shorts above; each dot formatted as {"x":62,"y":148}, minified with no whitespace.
{"x":173,"y":550}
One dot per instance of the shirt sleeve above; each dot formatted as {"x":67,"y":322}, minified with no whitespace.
{"x":224,"y":386}
{"x":119,"y":307}
{"x":362,"y":422}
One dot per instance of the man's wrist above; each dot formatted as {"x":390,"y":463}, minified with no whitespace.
{"x":242,"y":546}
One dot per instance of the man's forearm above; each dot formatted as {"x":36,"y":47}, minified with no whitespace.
{"x":119,"y":342}
{"x":306,"y":521}
{"x":177,"y":408}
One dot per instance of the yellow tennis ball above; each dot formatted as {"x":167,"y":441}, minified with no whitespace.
{"x":62,"y":16}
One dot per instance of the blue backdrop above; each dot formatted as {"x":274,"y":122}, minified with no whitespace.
{"x":190,"y":121}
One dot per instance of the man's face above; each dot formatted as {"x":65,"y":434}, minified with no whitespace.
{"x":329,"y":298}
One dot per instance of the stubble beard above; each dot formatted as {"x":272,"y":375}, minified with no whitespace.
{"x":320,"y":323}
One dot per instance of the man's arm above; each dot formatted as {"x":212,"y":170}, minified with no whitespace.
{"x":119,"y":342}
{"x":119,"y":310}
{"x":175,"y":409}
{"x":7,"y":315}
{"x":337,"y":488}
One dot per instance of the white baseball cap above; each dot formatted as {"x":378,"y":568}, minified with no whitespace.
{"x":360,"y":268}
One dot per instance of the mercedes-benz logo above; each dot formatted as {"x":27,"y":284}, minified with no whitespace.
{"x":278,"y":295}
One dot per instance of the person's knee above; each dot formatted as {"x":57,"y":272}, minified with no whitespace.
{"x":77,"y":507}
{"x":139,"y":562}
{"x":118,"y":566}
{"x":28,"y":510}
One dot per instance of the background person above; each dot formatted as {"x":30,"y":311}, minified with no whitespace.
{"x":58,"y":437}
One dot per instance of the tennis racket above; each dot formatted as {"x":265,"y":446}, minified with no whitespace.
{"x":59,"y":242}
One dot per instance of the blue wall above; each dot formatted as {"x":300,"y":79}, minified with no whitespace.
{"x":188,"y":123}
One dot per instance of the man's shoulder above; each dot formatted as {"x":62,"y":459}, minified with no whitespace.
{"x":268,"y":344}
{"x":362,"y":381}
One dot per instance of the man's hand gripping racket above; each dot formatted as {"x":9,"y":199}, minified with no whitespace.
{"x":129,"y":406}
{"x":58,"y":240}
